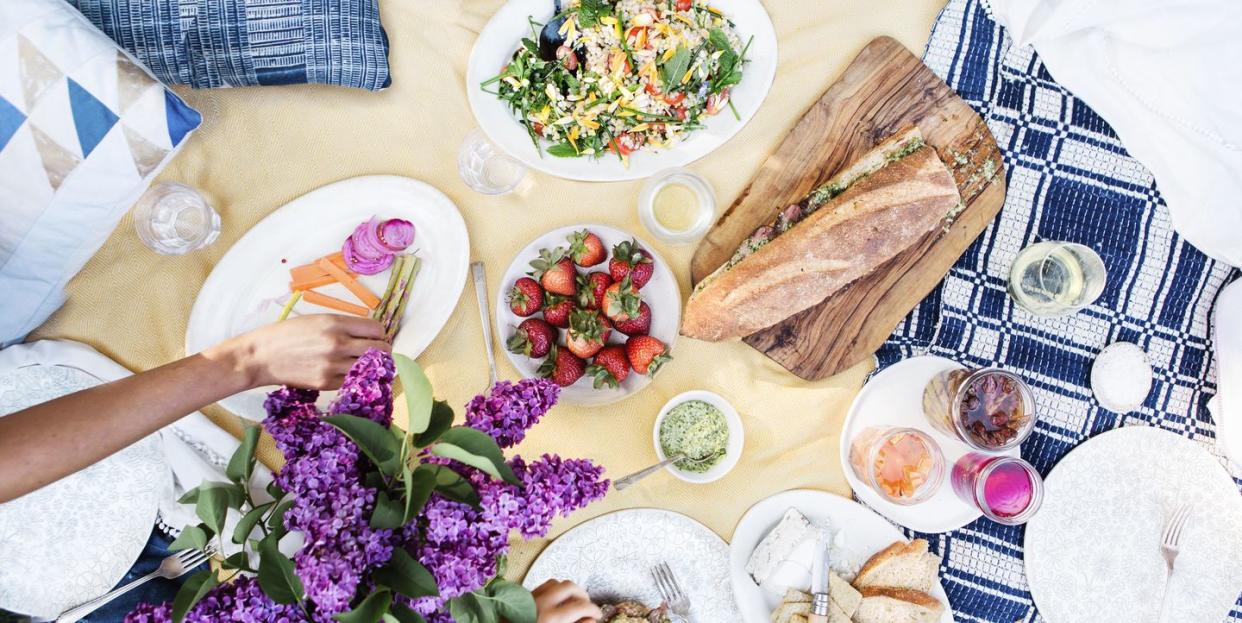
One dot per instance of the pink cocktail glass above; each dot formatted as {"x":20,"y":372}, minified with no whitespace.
{"x":1005,"y":489}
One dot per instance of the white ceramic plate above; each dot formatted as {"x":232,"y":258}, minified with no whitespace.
{"x":502,"y":35}
{"x":247,"y":287}
{"x":865,"y":534}
{"x":894,"y":397}
{"x":661,"y":293}
{"x":1092,"y":551}
{"x":612,"y":556}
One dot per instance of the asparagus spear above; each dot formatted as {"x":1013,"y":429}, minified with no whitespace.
{"x":393,"y":274}
{"x":406,"y":287}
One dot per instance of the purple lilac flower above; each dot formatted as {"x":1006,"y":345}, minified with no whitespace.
{"x":367,"y":391}
{"x":511,"y":409}
{"x":240,"y":600}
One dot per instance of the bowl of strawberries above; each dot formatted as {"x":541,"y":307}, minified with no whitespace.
{"x":593,"y":309}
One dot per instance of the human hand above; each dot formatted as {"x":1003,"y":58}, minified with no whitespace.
{"x":559,"y":601}
{"x":311,"y":352}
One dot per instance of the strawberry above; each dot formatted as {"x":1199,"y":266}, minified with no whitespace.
{"x":610,"y":366}
{"x":555,"y":272}
{"x":638,"y":325}
{"x":556,"y":310}
{"x":621,"y":301}
{"x":633,"y":261}
{"x":646,"y":354}
{"x":588,"y":332}
{"x":533,"y":338}
{"x":563,"y":367}
{"x":526,"y":297}
{"x":586,"y":249}
{"x":591,"y":289}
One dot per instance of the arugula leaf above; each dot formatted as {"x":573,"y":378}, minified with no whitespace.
{"x":562,"y":150}
{"x":672,"y":72}
{"x":589,"y":12}
{"x":718,"y":39}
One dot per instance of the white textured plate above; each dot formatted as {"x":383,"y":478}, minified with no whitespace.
{"x":865,"y":534}
{"x":501,"y":36}
{"x":894,"y":397}
{"x":612,"y":556}
{"x":661,"y":293}
{"x":247,"y":286}
{"x":1093,"y":549}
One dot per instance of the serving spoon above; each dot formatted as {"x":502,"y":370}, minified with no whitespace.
{"x":628,"y":481}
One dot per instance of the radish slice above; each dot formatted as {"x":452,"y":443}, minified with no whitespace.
{"x":364,"y":265}
{"x":396,"y":234}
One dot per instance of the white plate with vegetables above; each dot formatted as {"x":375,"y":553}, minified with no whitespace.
{"x":251,"y":285}
{"x":623,"y":89}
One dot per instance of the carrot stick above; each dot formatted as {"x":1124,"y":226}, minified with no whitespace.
{"x":331,"y":302}
{"x":312,"y":270}
{"x":366,"y":296}
{"x":312,"y":283}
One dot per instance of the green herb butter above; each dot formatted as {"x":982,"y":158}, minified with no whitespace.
{"x":696,"y":429}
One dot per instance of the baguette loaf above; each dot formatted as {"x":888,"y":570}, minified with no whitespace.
{"x":881,"y":205}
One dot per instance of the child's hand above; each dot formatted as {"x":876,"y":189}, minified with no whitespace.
{"x":558,"y":601}
{"x":310,"y":352}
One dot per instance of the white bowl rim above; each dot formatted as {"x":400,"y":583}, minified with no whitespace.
{"x":737,"y":440}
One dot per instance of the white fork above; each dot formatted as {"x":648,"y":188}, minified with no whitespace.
{"x":1170,"y":545}
{"x":172,"y":567}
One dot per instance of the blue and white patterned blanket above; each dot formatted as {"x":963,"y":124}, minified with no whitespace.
{"x":1071,"y":179}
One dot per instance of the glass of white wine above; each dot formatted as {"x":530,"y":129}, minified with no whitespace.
{"x":1053,"y":278}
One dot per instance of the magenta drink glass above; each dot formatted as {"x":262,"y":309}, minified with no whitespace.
{"x":1005,"y":489}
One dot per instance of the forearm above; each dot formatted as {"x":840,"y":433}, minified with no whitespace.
{"x":46,"y":442}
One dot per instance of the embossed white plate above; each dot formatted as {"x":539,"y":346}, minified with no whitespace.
{"x":612,"y":556}
{"x":1093,"y":550}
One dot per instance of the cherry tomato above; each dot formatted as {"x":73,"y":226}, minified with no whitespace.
{"x":652,"y":89}
{"x":537,"y":127}
{"x":679,"y":112}
{"x":673,"y":99}
{"x":684,"y":5}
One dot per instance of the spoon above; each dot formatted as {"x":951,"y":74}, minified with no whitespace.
{"x":628,"y":481}
{"x":550,"y":37}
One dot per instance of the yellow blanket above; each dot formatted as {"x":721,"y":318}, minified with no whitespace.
{"x":259,"y":148}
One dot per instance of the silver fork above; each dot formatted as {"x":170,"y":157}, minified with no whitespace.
{"x":670,"y":590}
{"x":171,"y":568}
{"x":1170,"y":545}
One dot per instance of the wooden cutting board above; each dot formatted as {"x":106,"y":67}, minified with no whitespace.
{"x":885,"y":88}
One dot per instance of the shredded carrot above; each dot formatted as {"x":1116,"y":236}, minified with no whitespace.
{"x":331,"y":302}
{"x":366,"y":296}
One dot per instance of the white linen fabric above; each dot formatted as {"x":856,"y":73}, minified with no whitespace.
{"x":1226,"y":406}
{"x":75,"y":538}
{"x":1167,"y":76}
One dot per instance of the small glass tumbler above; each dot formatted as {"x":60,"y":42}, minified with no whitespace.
{"x":988,"y":409}
{"x":174,"y":219}
{"x":903,"y":465}
{"x":1005,"y":489}
{"x":1056,"y":278}
{"x":677,"y":205}
{"x":487,"y":169}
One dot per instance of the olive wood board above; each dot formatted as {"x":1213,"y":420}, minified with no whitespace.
{"x":883,"y":89}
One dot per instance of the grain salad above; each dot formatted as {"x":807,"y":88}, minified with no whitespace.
{"x":625,"y":75}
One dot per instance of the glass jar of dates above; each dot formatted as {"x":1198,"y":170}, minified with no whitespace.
{"x":989,"y":409}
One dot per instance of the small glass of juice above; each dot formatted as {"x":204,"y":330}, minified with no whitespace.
{"x":988,"y":409}
{"x":1005,"y":489}
{"x":677,"y":205}
{"x":903,"y":465}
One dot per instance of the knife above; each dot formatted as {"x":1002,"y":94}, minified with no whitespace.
{"x":819,"y":578}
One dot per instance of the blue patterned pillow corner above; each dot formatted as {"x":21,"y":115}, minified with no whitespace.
{"x":234,"y":43}
{"x":83,"y":130}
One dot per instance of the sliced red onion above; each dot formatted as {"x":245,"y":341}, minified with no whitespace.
{"x":361,"y":264}
{"x":367,"y":244}
{"x":396,"y":234}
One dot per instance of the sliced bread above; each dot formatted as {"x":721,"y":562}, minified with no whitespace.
{"x":900,"y":565}
{"x":845,"y":597}
{"x":897,"y":605}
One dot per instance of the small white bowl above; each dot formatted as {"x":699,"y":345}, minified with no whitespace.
{"x":736,"y":436}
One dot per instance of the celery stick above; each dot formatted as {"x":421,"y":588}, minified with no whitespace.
{"x":293,"y":300}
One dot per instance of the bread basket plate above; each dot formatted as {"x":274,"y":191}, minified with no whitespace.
{"x":865,"y":534}
{"x":503,"y":34}
{"x":662,"y":293}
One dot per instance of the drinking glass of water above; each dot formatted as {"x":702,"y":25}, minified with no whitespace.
{"x":174,"y":219}
{"x":1056,"y":278}
{"x":485,"y":168}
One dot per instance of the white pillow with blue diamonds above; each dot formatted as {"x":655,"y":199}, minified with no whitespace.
{"x":83,"y":129}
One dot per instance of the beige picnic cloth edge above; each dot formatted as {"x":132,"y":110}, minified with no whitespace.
{"x":259,"y":148}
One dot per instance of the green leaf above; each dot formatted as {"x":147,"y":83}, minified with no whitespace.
{"x":236,"y":495}
{"x":511,"y":601}
{"x":404,"y":614}
{"x":563,"y":150}
{"x":241,"y":465}
{"x":452,"y":485}
{"x":388,"y":513}
{"x":191,"y":592}
{"x":374,"y":440}
{"x":476,"y":449}
{"x":276,"y":520}
{"x":369,"y":611}
{"x":276,"y":575}
{"x":212,"y":507}
{"x":418,"y":487}
{"x":248,"y":522}
{"x":417,"y":389}
{"x":470,"y":609}
{"x":441,"y":420}
{"x":274,"y":490}
{"x":407,"y":576}
{"x":718,"y":39}
{"x":672,"y":71}
{"x":191,"y":537}
{"x":240,"y":560}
